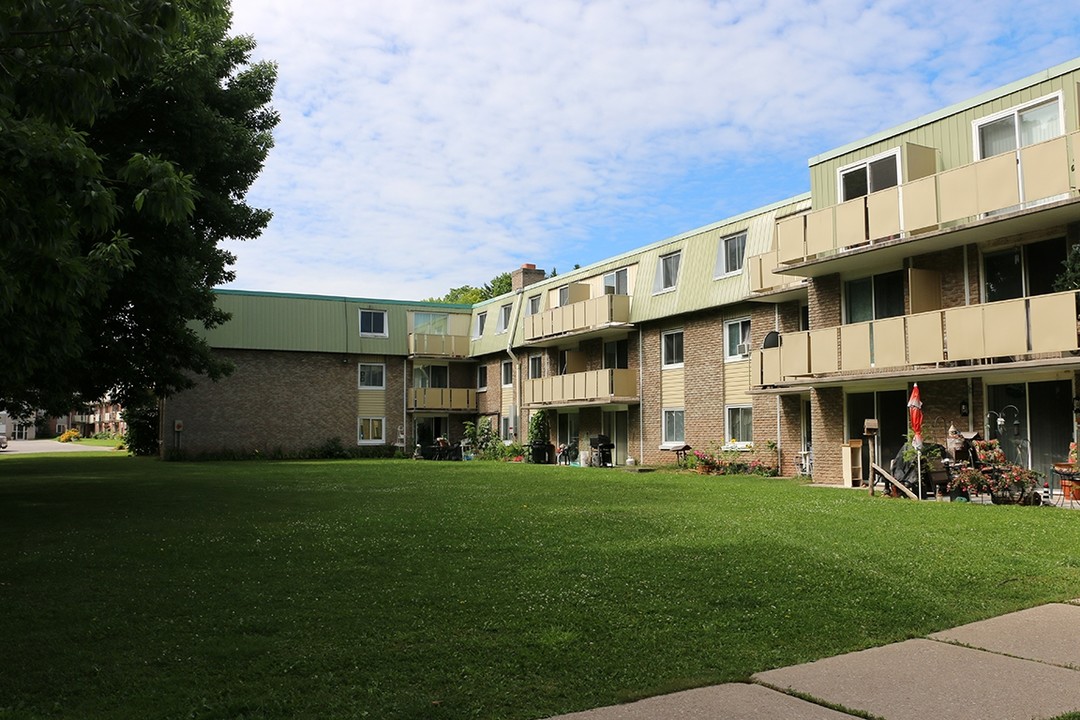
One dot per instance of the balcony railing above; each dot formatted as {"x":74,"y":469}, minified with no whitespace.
{"x":439,"y":345}
{"x":583,"y":387}
{"x":1031,"y":175}
{"x":580,"y":317}
{"x":1009,"y":328}
{"x":456,"y":399}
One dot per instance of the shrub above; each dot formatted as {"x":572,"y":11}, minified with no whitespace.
{"x":70,"y":435}
{"x":729,"y":462}
{"x":142,"y":429}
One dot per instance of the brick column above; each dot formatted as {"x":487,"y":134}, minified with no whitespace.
{"x":827,"y":416}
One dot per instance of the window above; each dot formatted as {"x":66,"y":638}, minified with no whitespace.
{"x":504,"y":318}
{"x":373,"y":323}
{"x":672,"y":348}
{"x":506,"y":430}
{"x":616,"y":354}
{"x":564,"y":296}
{"x":536,"y":366}
{"x":1017,"y":127}
{"x":615,"y":283}
{"x":729,"y":258}
{"x":737,"y":339}
{"x":667,"y":272}
{"x":875,"y":297}
{"x":533,"y":305}
{"x":425,"y":323}
{"x":481,"y":377}
{"x":674,"y":432}
{"x":481,"y":320}
{"x":372,"y":377}
{"x":369,"y":430}
{"x":431,"y":376}
{"x":507,"y":373}
{"x":1022,"y":271}
{"x":740,"y":424}
{"x":868,"y":176}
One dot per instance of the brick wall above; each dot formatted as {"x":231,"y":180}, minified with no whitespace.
{"x":827,"y":418}
{"x":650,"y":397}
{"x":703,"y":368}
{"x":950,"y":263}
{"x":823,"y":294}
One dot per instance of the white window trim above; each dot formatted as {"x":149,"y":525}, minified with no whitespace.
{"x":529,"y":305}
{"x":741,"y":444}
{"x":370,"y":441}
{"x":477,"y":331}
{"x":370,"y":387}
{"x":840,"y":171}
{"x":386,"y":323}
{"x":503,"y":365}
{"x":1015,"y":110}
{"x":540,"y":357}
{"x":659,"y":279}
{"x":672,"y":366}
{"x":484,"y":387}
{"x":559,"y":293}
{"x":722,"y":253}
{"x":669,"y":444}
{"x":500,"y":328}
{"x":614,"y":274}
{"x":727,"y":326}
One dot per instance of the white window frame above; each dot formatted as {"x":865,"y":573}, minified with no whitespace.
{"x":614,"y":276}
{"x":865,"y":164}
{"x":722,"y":269}
{"x":1015,"y":111}
{"x":564,"y":295}
{"x":505,"y":314}
{"x":660,"y":284}
{"x":664,"y":364}
{"x":536,"y":366}
{"x":506,"y":429}
{"x":738,"y":444}
{"x":502,"y":373}
{"x":360,"y":373}
{"x":434,"y":315}
{"x":664,"y":414}
{"x":481,"y":370}
{"x":385,"y":324}
{"x":532,"y":305}
{"x":360,"y":440}
{"x":481,"y":321}
{"x":728,"y":325}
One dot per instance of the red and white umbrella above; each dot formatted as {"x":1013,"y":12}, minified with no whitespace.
{"x":915,"y":412}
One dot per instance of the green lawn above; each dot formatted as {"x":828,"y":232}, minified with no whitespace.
{"x":131,"y":588}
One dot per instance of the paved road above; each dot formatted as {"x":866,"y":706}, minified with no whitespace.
{"x":23,"y":447}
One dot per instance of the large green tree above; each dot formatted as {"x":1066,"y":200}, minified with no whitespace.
{"x":130,"y":131}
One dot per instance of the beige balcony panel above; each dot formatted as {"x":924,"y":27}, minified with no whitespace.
{"x":768,"y":278}
{"x":528,"y":393}
{"x":823,"y":354}
{"x":531,"y":325}
{"x":592,"y":385}
{"x":753,"y":268}
{"x":579,"y":316}
{"x":855,"y":347}
{"x":770,"y":366}
{"x":851,"y":223}
{"x":1053,"y":322}
{"x":624,"y":383}
{"x":1045,"y":169}
{"x":997,"y":182}
{"x":1074,"y":147}
{"x":790,"y":238}
{"x":957,"y":198}
{"x":795,"y":354}
{"x":820,"y":231}
{"x":889,"y":345}
{"x":925,"y":340}
{"x":964,"y":333}
{"x":755,"y":368}
{"x":883,"y":210}
{"x":920,"y":204}
{"x":1005,"y":327}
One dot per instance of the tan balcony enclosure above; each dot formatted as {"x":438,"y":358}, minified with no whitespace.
{"x":1010,"y":181}
{"x":1005,"y":331}
{"x":592,"y":387}
{"x":452,"y":399}
{"x":579,"y":317}
{"x":438,"y":345}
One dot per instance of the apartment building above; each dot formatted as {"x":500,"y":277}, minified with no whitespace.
{"x":928,"y":253}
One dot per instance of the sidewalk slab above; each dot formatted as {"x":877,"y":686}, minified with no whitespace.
{"x":734,"y":701}
{"x":1048,"y":633}
{"x":919,"y":679}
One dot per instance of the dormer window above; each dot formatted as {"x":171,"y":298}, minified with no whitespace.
{"x":870,"y":175}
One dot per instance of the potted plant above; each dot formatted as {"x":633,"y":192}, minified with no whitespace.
{"x":541,"y":449}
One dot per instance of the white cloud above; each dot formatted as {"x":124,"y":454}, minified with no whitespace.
{"x":425,"y":145}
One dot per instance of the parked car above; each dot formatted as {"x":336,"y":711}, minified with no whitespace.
{"x":3,"y":442}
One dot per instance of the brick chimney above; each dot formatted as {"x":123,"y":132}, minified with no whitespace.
{"x":526,"y":275}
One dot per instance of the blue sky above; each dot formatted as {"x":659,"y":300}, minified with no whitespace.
{"x":425,"y":145}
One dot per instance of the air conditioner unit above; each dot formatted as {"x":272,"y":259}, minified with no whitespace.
{"x":742,"y":349}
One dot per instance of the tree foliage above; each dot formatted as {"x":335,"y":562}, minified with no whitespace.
{"x":130,"y":131}
{"x":469,"y":295}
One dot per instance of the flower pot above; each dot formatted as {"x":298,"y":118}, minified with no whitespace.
{"x":1068,"y":490}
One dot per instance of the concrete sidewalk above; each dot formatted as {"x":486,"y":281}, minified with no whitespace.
{"x":1023,"y":665}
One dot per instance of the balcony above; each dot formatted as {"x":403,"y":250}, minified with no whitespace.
{"x":595,"y":387}
{"x":1032,"y":179}
{"x":1042,"y":328}
{"x":439,"y":346}
{"x":586,"y":317}
{"x":448,"y":399}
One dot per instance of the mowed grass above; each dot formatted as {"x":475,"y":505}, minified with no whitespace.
{"x":402,"y":589}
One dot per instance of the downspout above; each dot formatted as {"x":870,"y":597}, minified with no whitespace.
{"x":779,"y":405}
{"x":967,"y":301}
{"x":510,"y":351}
{"x":405,"y":405}
{"x":641,"y":399}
